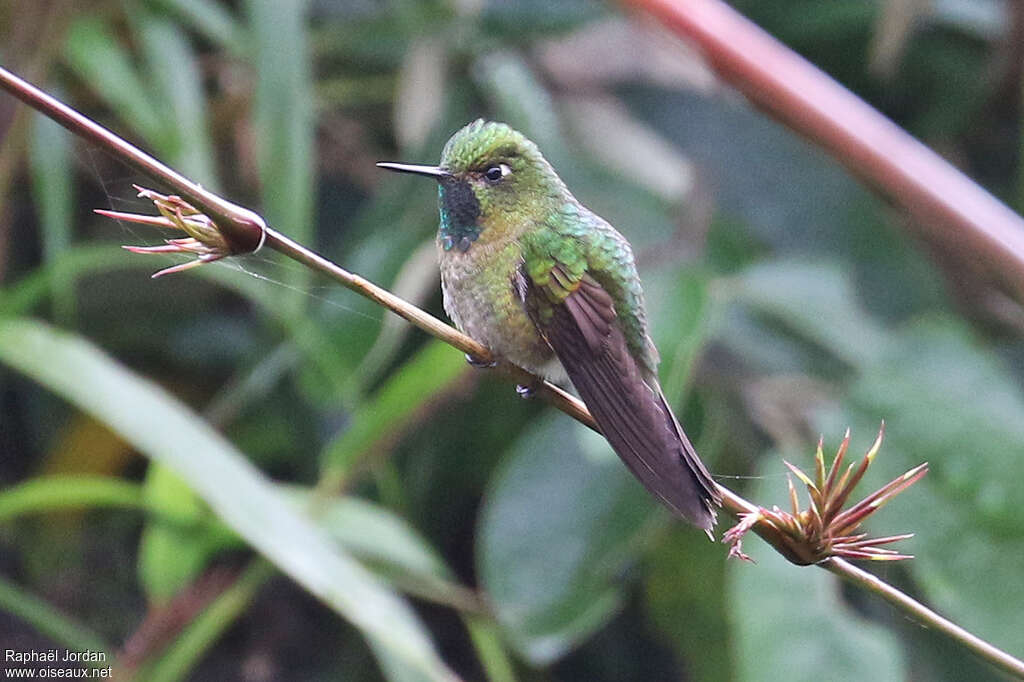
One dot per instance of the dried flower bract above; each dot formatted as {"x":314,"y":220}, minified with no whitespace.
{"x":204,"y":240}
{"x":825,"y":529}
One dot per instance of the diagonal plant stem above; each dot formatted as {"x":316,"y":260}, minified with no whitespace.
{"x":241,"y":227}
{"x":872,"y":583}
{"x":48,"y":620}
{"x":246,"y":232}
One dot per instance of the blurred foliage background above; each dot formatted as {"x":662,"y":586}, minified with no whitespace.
{"x":787,"y":300}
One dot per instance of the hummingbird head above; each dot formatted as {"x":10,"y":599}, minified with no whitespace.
{"x":492,"y":182}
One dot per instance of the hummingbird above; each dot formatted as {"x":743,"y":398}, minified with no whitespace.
{"x":540,"y":280}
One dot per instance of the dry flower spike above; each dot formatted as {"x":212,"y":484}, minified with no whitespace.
{"x":825,"y":529}
{"x":205,"y":240}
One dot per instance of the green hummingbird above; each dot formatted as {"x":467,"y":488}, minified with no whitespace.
{"x":535,"y":276}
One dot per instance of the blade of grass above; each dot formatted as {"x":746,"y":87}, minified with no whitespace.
{"x":283,"y":120}
{"x":424,"y":376}
{"x":94,"y":54}
{"x":31,"y":290}
{"x":177,"y":83}
{"x":165,"y":430}
{"x":59,"y":493}
{"x":172,"y":556}
{"x":80,"y":261}
{"x":54,"y":197}
{"x":45,"y":494}
{"x":489,"y":649}
{"x":209,"y":19}
{"x":203,"y":632}
{"x":47,"y":620}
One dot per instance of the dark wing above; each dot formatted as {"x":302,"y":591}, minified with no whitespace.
{"x":584,"y":332}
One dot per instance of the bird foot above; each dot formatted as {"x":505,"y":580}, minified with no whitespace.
{"x":525,"y":392}
{"x":478,"y":363}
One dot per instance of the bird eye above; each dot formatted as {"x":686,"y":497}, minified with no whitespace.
{"x":496,"y":173}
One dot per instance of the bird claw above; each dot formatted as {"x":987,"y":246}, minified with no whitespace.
{"x":478,"y":363}
{"x":525,"y":392}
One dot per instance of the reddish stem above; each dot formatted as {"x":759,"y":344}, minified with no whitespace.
{"x":947,"y":206}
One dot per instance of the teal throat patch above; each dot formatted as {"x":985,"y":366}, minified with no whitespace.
{"x":460,"y":211}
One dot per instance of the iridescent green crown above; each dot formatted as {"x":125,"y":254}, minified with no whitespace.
{"x":482,"y":142}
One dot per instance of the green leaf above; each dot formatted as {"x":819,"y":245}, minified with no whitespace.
{"x":433,"y":369}
{"x":486,"y":638}
{"x":94,"y":54}
{"x":283,"y":121}
{"x":519,"y":19}
{"x":204,"y":630}
{"x":377,"y":536}
{"x":790,"y":622}
{"x":394,"y":668}
{"x":386,"y":544}
{"x":561,"y":522}
{"x":29,"y":291}
{"x":56,"y":493}
{"x":171,"y":555}
{"x":317,"y":348}
{"x":165,"y":430}
{"x":210,"y":19}
{"x":47,"y":620}
{"x":951,"y":402}
{"x":50,"y":156}
{"x":632,"y":149}
{"x":515,"y":92}
{"x":687,"y":600}
{"x":680,"y":310}
{"x":417,"y":283}
{"x":174,"y":73}
{"x":816,"y":301}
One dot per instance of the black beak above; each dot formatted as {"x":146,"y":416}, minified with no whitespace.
{"x":435,"y":172}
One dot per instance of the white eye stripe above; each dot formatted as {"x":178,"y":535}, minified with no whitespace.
{"x":505,"y":170}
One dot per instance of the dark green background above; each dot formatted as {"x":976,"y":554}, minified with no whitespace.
{"x":787,"y":299}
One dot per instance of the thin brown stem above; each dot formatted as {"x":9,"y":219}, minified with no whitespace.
{"x":425,"y":321}
{"x":922,"y":614}
{"x":243,"y":227}
{"x":947,"y":206}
